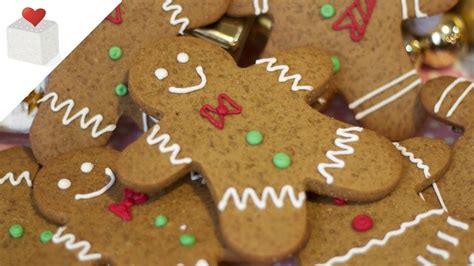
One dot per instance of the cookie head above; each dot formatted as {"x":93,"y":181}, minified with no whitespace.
{"x":75,"y":181}
{"x":176,"y":71}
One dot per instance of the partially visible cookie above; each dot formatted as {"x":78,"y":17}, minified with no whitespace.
{"x":116,"y":225}
{"x":87,"y":92}
{"x":22,"y":230}
{"x":400,"y":229}
{"x":365,"y":37}
{"x":255,"y":137}
{"x":452,"y":100}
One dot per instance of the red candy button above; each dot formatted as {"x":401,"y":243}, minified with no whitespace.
{"x":362,"y":223}
{"x":338,"y":201}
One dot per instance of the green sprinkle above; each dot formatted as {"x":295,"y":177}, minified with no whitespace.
{"x":161,"y":221}
{"x":187,"y":240}
{"x":336,"y":64}
{"x":281,"y":160}
{"x":254,"y":137}
{"x":16,"y":231}
{"x":45,"y":236}
{"x":327,"y":11}
{"x":115,"y":52}
{"x":121,"y":89}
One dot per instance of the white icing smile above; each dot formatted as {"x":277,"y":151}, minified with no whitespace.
{"x":183,"y":58}
{"x":200,"y":72}
{"x":110,"y":174}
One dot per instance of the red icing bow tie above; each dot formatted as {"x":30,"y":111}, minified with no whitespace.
{"x":123,"y":208}
{"x":209,"y":112}
{"x":357,"y":30}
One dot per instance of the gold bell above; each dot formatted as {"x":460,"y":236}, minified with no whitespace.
{"x":244,"y":38}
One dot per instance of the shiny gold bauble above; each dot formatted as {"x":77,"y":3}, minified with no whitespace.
{"x":442,"y":46}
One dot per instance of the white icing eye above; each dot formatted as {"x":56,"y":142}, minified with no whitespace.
{"x":183,"y":58}
{"x":161,"y":73}
{"x":87,"y":167}
{"x":64,"y":183}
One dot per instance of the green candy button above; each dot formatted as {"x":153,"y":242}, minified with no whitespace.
{"x":327,"y":11}
{"x":45,"y":236}
{"x":187,"y":240}
{"x":161,"y":221}
{"x":281,"y":160}
{"x":336,"y":64}
{"x":115,"y":52}
{"x":16,"y":231}
{"x":254,"y":137}
{"x":121,"y":90}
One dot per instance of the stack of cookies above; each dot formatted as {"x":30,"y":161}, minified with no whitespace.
{"x":235,"y":165}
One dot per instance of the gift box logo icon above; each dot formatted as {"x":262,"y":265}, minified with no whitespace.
{"x":32,"y":38}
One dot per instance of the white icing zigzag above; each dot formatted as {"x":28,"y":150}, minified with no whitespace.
{"x":283,"y":75}
{"x":426,"y":171}
{"x":25,"y":175}
{"x":345,"y":150}
{"x":177,"y":9}
{"x":377,"y":242}
{"x":163,"y":140}
{"x":71,"y":244}
{"x":419,"y":163}
{"x":82,"y":114}
{"x":261,"y":201}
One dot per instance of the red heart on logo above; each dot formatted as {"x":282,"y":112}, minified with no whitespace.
{"x":33,"y":16}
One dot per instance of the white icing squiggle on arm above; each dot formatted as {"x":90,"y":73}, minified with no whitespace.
{"x":377,"y":242}
{"x":284,"y":73}
{"x":163,"y":141}
{"x":71,"y":244}
{"x":177,"y":9}
{"x":426,"y":171}
{"x":25,"y":175}
{"x":82,"y":114}
{"x":261,"y":201}
{"x":345,"y":150}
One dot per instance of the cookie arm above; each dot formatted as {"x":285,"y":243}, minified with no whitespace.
{"x":152,"y":162}
{"x":450,"y":99}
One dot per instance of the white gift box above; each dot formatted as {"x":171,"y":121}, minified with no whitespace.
{"x":37,"y":45}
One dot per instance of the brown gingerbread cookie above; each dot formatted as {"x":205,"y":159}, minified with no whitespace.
{"x":23,"y":230}
{"x":103,"y":222}
{"x":376,"y":76}
{"x":254,"y":137}
{"x":400,"y":229}
{"x":87,"y":92}
{"x":451,"y":100}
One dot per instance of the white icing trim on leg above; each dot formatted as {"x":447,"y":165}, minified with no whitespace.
{"x":258,"y":10}
{"x":459,"y":100}
{"x":380,"y":90}
{"x":418,"y":12}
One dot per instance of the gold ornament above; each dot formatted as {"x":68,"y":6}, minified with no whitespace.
{"x":442,"y":46}
{"x":32,"y":100}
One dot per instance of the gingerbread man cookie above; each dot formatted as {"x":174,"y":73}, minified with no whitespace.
{"x":87,"y":92}
{"x":400,"y":229}
{"x":376,"y":76}
{"x":103,"y":222}
{"x":254,"y":137}
{"x":452,"y":100}
{"x":23,"y":230}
